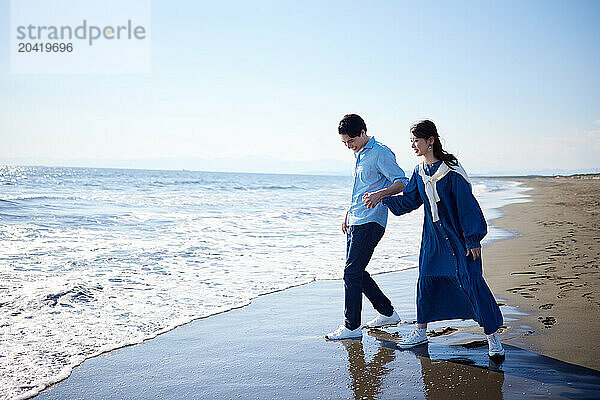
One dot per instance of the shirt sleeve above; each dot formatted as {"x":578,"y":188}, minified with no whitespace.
{"x":387,"y":165}
{"x":470,"y":216}
{"x":407,"y":201}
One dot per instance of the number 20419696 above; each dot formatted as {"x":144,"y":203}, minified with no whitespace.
{"x":45,"y":47}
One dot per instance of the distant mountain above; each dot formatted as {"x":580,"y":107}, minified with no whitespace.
{"x":535,"y":172}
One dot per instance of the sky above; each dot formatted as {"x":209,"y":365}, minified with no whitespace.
{"x":260,"y":86}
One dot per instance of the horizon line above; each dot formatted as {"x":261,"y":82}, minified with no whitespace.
{"x":492,"y":174}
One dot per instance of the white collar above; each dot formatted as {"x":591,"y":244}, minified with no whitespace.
{"x":431,"y":181}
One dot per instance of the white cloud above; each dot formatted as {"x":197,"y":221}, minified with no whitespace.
{"x":577,"y":142}
{"x":580,"y":149}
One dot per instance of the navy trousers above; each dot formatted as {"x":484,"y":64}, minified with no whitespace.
{"x":361,"y":242}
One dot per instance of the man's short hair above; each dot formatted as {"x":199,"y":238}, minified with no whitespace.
{"x":352,"y":125}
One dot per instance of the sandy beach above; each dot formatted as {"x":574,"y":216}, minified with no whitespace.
{"x":546,"y":278}
{"x":552,"y":270}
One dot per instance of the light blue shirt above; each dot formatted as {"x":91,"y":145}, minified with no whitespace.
{"x":375,"y":169}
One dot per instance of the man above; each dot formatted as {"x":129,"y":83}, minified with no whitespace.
{"x":376,"y":175}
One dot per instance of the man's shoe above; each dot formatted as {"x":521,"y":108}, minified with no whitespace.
{"x":416,"y":338}
{"x":344,"y":333}
{"x":381,"y":320}
{"x":495,"y":346}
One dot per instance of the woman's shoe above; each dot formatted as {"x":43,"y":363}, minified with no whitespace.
{"x":416,"y":338}
{"x":495,"y":346}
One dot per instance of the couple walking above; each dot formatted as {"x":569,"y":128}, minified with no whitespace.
{"x":450,"y":283}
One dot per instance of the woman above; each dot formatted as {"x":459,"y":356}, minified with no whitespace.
{"x":450,"y":283}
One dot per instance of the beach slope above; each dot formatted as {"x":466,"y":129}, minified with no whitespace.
{"x":552,"y":269}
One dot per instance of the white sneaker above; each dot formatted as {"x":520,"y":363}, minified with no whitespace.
{"x":382,"y":320}
{"x":416,"y":338}
{"x":344,"y":333}
{"x":495,"y":346}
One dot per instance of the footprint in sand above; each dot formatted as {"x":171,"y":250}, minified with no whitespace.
{"x":548,"y":321}
{"x":447,"y":330}
{"x":588,"y":295}
{"x":546,"y":306}
{"x":542,"y":263}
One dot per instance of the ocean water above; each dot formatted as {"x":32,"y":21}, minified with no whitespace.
{"x":95,"y":259}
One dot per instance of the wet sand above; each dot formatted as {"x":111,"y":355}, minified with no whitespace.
{"x":274,"y":348}
{"x":552,"y":271}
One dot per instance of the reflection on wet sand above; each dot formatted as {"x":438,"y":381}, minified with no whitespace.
{"x":366,"y":378}
{"x":441,"y":379}
{"x":456,"y":378}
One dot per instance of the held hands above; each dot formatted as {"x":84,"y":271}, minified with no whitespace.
{"x":476,"y":252}
{"x":370,"y":200}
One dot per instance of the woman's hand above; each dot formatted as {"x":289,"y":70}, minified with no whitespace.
{"x":370,"y":200}
{"x":476,"y":252}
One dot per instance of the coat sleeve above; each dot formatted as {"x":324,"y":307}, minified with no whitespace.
{"x":408,"y":200}
{"x":470,"y":216}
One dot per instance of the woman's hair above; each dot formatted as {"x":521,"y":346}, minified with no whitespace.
{"x":425,"y":129}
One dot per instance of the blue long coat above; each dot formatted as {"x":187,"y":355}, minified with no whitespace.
{"x":450,"y":284}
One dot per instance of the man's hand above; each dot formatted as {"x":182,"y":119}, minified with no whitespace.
{"x":345,"y":224}
{"x":476,"y":252}
{"x":370,"y":200}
